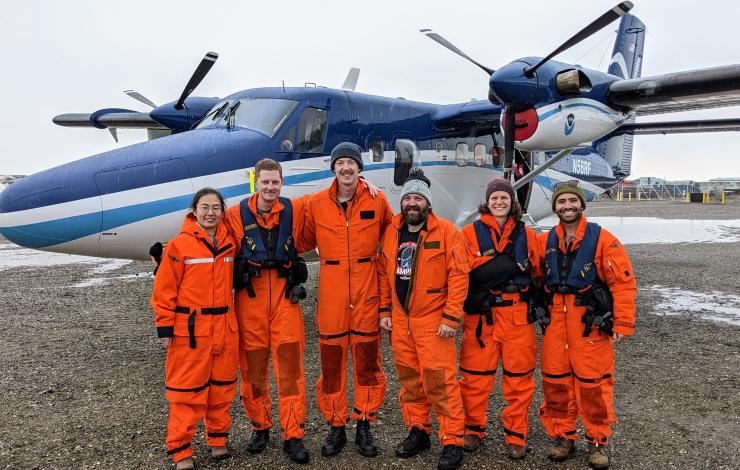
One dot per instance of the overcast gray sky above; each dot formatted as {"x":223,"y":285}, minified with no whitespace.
{"x":77,"y":56}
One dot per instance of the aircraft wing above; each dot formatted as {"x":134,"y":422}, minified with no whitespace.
{"x":476,"y":117}
{"x":681,"y":91}
{"x":679,"y":127}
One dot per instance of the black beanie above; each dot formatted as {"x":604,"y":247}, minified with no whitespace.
{"x":346,"y":150}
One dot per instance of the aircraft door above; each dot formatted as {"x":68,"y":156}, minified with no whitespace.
{"x":126,"y":231}
{"x":407,"y":157}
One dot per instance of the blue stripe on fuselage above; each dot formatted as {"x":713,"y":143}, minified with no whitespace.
{"x":53,"y":232}
{"x":552,"y":112}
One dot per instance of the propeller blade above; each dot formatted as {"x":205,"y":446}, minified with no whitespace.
{"x":509,"y":122}
{"x":597,"y":25}
{"x":439,"y":39}
{"x":200,"y":72}
{"x":140,"y":98}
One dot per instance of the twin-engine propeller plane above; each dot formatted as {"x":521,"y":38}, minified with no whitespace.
{"x":545,"y":122}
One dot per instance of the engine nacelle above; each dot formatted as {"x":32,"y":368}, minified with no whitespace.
{"x":570,"y":123}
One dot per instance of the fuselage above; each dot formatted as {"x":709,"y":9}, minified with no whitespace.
{"x":118,"y":203}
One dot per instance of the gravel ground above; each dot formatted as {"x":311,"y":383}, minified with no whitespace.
{"x":82,"y":373}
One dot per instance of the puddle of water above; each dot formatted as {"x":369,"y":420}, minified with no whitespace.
{"x":631,"y":230}
{"x":715,"y":306}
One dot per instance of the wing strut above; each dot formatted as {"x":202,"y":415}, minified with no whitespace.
{"x":534,"y":173}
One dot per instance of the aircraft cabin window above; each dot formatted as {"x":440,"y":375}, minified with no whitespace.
{"x":479,"y":154}
{"x":376,"y":147}
{"x":311,"y":130}
{"x":461,"y":154}
{"x":264,"y":115}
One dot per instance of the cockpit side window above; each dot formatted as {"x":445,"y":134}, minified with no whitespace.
{"x":311,"y":130}
{"x":287,"y":144}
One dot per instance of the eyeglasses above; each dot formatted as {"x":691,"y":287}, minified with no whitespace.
{"x":206,"y":209}
{"x":569,"y":184}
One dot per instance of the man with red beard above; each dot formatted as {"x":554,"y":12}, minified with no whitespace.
{"x":590,"y":281}
{"x":423,"y":281}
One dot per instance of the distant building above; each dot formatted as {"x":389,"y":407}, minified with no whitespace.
{"x":720,"y":185}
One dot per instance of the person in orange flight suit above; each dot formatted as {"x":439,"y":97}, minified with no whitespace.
{"x":589,"y":277}
{"x":270,"y":318}
{"x":194,"y":316}
{"x":423,"y":275}
{"x":507,"y":255}
{"x":346,"y":223}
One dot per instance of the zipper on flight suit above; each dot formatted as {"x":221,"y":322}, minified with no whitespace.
{"x":410,"y":290}
{"x":349,"y":262}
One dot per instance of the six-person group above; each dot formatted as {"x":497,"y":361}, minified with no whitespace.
{"x":226,"y":299}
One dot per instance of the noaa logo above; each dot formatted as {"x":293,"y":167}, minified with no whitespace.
{"x":570,"y":123}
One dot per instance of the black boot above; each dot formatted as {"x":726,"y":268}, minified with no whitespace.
{"x":364,"y":439}
{"x":334,"y":442}
{"x":296,"y":450}
{"x":258,"y":442}
{"x":451,"y":458}
{"x":415,"y":442}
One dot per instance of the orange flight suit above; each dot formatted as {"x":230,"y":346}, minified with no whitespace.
{"x":193,"y":305}
{"x":427,"y":364}
{"x":347,"y":310}
{"x":270,"y":325}
{"x":578,"y":371}
{"x":511,"y":339}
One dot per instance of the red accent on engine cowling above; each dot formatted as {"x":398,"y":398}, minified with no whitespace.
{"x":525,"y":124}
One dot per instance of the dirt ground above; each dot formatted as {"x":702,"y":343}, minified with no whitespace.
{"x":81,"y":373}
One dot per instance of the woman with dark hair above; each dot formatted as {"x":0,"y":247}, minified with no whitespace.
{"x":504,"y":259}
{"x":194,"y":316}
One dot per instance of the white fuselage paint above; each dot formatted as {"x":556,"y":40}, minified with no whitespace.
{"x":456,"y":192}
{"x":590,"y":121}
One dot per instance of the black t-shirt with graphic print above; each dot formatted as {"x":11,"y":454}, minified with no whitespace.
{"x":404,"y":259}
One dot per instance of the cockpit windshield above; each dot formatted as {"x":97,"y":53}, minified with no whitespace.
{"x":215,"y":115}
{"x":264,"y":115}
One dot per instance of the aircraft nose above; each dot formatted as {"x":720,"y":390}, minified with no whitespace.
{"x":46,"y":209}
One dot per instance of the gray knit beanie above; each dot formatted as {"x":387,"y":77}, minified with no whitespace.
{"x":417,"y":183}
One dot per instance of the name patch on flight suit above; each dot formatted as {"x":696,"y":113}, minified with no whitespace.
{"x":431,"y":245}
{"x":367,"y":214}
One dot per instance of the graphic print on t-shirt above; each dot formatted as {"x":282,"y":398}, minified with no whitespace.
{"x":404,"y":259}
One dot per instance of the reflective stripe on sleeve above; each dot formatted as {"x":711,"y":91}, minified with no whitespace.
{"x":198,"y":261}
